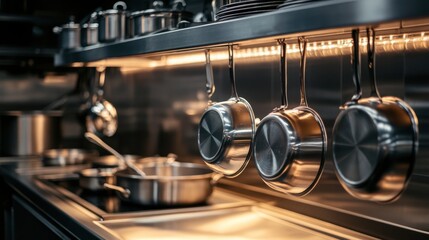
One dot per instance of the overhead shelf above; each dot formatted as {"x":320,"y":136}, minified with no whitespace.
{"x":323,"y":15}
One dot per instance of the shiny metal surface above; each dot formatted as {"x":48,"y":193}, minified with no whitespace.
{"x":102,"y":117}
{"x":89,"y":34}
{"x":374,"y":139}
{"x":67,"y":156}
{"x":29,"y":133}
{"x":127,"y":162}
{"x":168,"y":184}
{"x":145,"y":22}
{"x":317,"y":16}
{"x":111,"y":161}
{"x":69,"y":35}
{"x":246,"y":222}
{"x":112,"y":23}
{"x":290,"y":144}
{"x":93,"y":179}
{"x":226,"y":129}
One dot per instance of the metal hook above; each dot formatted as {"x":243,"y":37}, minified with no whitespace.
{"x":356,"y":66}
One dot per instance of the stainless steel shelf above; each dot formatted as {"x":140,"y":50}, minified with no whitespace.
{"x":324,"y":15}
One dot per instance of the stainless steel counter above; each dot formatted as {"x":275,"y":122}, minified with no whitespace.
{"x":227,"y":216}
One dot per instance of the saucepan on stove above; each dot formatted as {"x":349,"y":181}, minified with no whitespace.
{"x":166,"y":184}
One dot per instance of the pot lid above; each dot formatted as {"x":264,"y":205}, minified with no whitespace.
{"x":118,"y":8}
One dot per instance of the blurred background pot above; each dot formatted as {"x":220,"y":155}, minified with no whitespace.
{"x":29,"y":133}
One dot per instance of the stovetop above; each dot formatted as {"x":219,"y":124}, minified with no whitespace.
{"x":107,"y":204}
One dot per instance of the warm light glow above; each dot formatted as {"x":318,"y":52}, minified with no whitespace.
{"x":386,"y":43}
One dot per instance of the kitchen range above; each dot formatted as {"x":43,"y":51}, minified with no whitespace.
{"x":296,"y":119}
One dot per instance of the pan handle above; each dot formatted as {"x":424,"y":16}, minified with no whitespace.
{"x":283,"y":72}
{"x":356,"y":66}
{"x":210,"y":87}
{"x":123,"y":191}
{"x":231,"y":67}
{"x":302,"y":43}
{"x":216,"y":177}
{"x":370,"y":32}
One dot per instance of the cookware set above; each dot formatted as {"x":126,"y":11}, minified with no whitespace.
{"x":374,"y":139}
{"x":118,"y":23}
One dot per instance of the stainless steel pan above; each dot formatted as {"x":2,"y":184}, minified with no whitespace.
{"x":290,"y":144}
{"x":374,"y":139}
{"x":166,"y":184}
{"x":93,"y":179}
{"x":67,"y":156}
{"x":226,"y":129}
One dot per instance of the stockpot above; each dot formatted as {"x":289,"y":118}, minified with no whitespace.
{"x":166,"y":184}
{"x":290,"y":144}
{"x":157,"y":19}
{"x":29,"y":133}
{"x":226,"y":129}
{"x":69,"y":34}
{"x":112,"y":23}
{"x":374,"y":139}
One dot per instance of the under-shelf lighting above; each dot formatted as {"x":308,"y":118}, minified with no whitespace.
{"x":319,"y":49}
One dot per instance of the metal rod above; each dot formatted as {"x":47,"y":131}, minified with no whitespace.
{"x":210,"y":87}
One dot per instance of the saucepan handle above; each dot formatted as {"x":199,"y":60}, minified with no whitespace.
{"x":356,"y":66}
{"x":210,"y":87}
{"x":123,"y":191}
{"x":371,"y":62}
{"x":216,"y":177}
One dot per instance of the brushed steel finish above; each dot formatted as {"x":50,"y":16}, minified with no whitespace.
{"x":375,"y":139}
{"x":89,"y":34}
{"x":290,"y":144}
{"x":93,"y":179}
{"x":29,"y":133}
{"x":374,"y":146}
{"x":112,"y":23}
{"x":167,"y":184}
{"x":226,"y":129}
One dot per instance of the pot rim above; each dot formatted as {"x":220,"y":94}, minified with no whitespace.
{"x":209,"y":175}
{"x":30,"y":112}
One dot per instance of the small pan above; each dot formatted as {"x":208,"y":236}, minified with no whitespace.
{"x":93,"y":179}
{"x":374,"y":139}
{"x":226,"y":128}
{"x":290,"y":144}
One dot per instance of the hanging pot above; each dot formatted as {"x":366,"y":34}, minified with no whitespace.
{"x":112,"y":23}
{"x":158,"y":19}
{"x":226,"y":128}
{"x":69,"y":34}
{"x":290,"y":144}
{"x":374,"y":139}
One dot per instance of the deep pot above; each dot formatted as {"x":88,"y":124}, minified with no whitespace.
{"x":29,"y":133}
